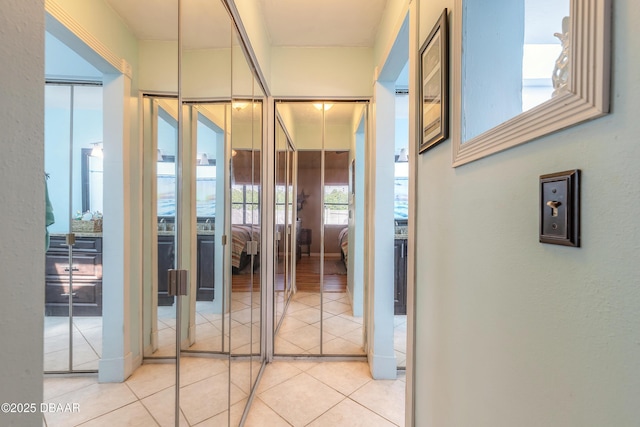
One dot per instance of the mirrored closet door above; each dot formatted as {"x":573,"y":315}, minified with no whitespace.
{"x":73,"y":261}
{"x":321,"y":315}
{"x":286,"y":228}
{"x":203,"y":195}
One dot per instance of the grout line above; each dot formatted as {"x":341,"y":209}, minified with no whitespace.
{"x":272,"y":410}
{"x":372,"y":411}
{"x":150,"y":413}
{"x":330,"y":408}
{"x":50,"y":398}
{"x":110,"y":412}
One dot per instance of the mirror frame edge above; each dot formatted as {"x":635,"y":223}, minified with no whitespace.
{"x":587,"y":99}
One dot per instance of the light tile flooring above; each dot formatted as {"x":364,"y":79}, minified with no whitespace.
{"x":290,"y":393}
{"x":341,"y":332}
{"x":298,"y":335}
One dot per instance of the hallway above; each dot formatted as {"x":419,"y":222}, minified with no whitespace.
{"x":290,"y":393}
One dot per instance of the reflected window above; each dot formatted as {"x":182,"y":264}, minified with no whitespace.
{"x":281,"y":203}
{"x":166,"y":189}
{"x":336,"y":204}
{"x":206,"y":191}
{"x":245,"y":203}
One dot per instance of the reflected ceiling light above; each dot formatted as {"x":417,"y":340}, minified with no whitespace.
{"x":96,"y":151}
{"x":327,"y":107}
{"x":160,"y":157}
{"x":239,"y":105}
{"x":233,"y":153}
{"x":204,"y":159}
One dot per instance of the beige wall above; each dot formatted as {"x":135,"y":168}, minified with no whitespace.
{"x":512,"y":332}
{"x":22,"y":208}
{"x":321,"y":72}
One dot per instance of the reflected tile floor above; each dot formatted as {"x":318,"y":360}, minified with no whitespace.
{"x":87,"y":342}
{"x":290,"y":393}
{"x":209,"y":326}
{"x":342,"y":332}
{"x":299,"y":333}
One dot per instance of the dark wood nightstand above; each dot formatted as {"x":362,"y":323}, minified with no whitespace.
{"x":304,"y":239}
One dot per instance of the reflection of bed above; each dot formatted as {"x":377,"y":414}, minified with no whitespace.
{"x":241,"y":234}
{"x":343,"y":241}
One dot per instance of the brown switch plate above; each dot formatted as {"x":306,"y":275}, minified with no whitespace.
{"x":560,"y":208}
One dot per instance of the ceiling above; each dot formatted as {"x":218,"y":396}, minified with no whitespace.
{"x":290,"y":23}
{"x":322,"y":23}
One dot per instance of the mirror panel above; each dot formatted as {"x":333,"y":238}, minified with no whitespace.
{"x":244,"y":230}
{"x":57,"y":331}
{"x":498,"y":114}
{"x":342,"y":330}
{"x":299,"y":331}
{"x":73,"y":274}
{"x":257,"y":285}
{"x":527,"y":46}
{"x":320,"y":318}
{"x":206,"y":301}
{"x":206,"y":95}
{"x":161,"y":137}
{"x":285,"y":226}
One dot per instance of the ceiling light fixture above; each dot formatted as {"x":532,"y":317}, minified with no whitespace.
{"x":319,"y":105}
{"x":239,"y":105}
{"x":96,"y":151}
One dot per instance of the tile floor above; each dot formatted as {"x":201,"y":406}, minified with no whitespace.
{"x":342,"y":332}
{"x":299,"y":333}
{"x":290,"y":393}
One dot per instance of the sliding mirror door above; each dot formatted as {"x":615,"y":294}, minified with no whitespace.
{"x":298,"y":329}
{"x":207,"y":303}
{"x":161,"y":121}
{"x":285,"y":228}
{"x":206,"y":392}
{"x":342,"y":329}
{"x":73,"y":269}
{"x":243,"y":236}
{"x":324,"y":316}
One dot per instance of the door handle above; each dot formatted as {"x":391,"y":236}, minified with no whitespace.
{"x":66,"y":294}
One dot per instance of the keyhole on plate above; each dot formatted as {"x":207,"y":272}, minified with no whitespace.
{"x":553,"y":204}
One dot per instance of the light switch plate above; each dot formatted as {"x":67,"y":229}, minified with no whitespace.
{"x":560,"y":208}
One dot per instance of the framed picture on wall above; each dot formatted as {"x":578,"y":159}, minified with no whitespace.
{"x":434,"y":87}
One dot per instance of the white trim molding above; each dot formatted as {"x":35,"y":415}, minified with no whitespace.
{"x":586,"y":99}
{"x":59,"y":14}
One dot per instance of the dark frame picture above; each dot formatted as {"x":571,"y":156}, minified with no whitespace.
{"x":434,"y":86}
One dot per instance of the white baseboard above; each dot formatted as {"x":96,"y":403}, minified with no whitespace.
{"x":115,"y":370}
